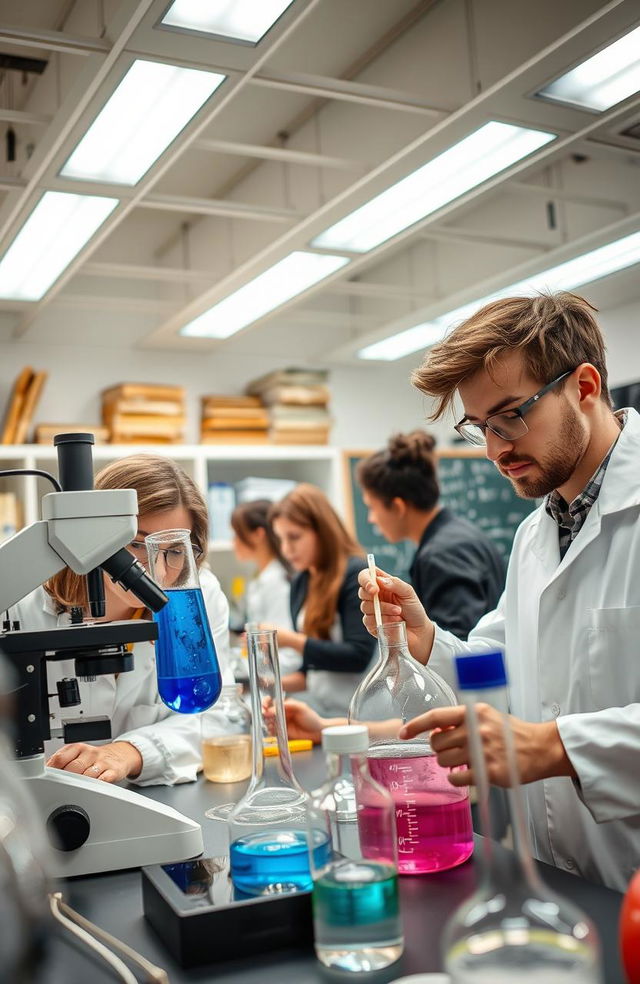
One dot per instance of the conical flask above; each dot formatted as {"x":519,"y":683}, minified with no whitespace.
{"x":189,"y":678}
{"x":513,"y":928}
{"x":433,"y":818}
{"x":268,"y":827}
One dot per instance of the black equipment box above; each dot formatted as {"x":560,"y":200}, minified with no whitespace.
{"x":201,"y":918}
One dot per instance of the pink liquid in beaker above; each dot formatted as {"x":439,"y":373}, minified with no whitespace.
{"x":433,"y":818}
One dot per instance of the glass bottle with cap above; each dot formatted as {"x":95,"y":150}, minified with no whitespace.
{"x":513,"y":928}
{"x":269,"y":827}
{"x":433,"y":818}
{"x":189,"y":678}
{"x":356,"y":914}
{"x":226,"y":738}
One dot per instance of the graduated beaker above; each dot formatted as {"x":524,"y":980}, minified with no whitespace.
{"x":433,"y":818}
{"x":189,"y":678}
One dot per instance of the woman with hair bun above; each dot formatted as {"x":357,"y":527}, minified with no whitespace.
{"x":457,"y":572}
{"x":268,"y":592}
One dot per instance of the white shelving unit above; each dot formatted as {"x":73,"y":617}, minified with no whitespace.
{"x":204,"y":463}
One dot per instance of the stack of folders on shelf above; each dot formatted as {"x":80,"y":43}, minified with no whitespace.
{"x":298,"y":402}
{"x":144,"y":413}
{"x":234,"y":420}
{"x":45,"y":433}
{"x":19,"y":411}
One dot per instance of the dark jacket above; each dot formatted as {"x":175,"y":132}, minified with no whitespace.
{"x":457,"y":573}
{"x":354,"y":653}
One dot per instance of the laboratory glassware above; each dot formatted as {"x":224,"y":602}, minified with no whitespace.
{"x":513,"y":928}
{"x":433,"y":818}
{"x":226,"y":738}
{"x":356,"y":912}
{"x":189,"y":678}
{"x":269,"y":826}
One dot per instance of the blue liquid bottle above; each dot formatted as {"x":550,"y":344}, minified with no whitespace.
{"x":189,"y":678}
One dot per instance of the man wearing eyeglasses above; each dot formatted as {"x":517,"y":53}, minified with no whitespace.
{"x":532,"y":379}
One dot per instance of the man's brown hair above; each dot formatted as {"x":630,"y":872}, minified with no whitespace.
{"x":554,"y":332}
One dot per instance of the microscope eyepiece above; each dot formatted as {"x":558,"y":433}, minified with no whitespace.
{"x":126,"y":570}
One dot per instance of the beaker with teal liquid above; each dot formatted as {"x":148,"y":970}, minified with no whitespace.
{"x":189,"y":678}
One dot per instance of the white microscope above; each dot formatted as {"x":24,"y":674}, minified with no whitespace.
{"x":94,"y":826}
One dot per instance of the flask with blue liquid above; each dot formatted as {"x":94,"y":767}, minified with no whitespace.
{"x":269,"y":826}
{"x":189,"y":678}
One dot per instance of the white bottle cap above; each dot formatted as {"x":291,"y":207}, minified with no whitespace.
{"x":345,"y":738}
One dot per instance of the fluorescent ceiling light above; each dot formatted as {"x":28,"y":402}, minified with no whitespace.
{"x":476,"y":158}
{"x":296,"y":272}
{"x":149,"y":108}
{"x":54,"y":233}
{"x":240,"y":20}
{"x":602,"y":80}
{"x":574,"y":273}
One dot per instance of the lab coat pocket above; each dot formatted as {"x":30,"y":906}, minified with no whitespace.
{"x":613,"y":638}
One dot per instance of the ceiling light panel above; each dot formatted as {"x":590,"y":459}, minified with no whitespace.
{"x":147,"y":111}
{"x":476,"y":158}
{"x":584,"y":269}
{"x":238,"y":20}
{"x":52,"y":236}
{"x":602,"y":80}
{"x":286,"y":279}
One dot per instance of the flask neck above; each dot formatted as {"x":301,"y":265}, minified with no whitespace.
{"x":500,"y":869}
{"x":345,"y":764}
{"x":268,"y":719}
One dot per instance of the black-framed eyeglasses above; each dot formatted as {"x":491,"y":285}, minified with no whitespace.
{"x":173,"y":556}
{"x":508,"y":425}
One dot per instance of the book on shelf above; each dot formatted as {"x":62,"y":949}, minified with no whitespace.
{"x":287,"y":377}
{"x":145,"y":391}
{"x":214,"y":402}
{"x":15,"y":403}
{"x":249,"y":422}
{"x":297,"y":416}
{"x":45,"y":433}
{"x":29,"y":403}
{"x":235,"y":437}
{"x":139,"y":405}
{"x":10,"y":515}
{"x":300,"y":437}
{"x":317,"y":395}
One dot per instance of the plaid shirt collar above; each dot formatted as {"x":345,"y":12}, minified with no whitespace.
{"x":570,"y":518}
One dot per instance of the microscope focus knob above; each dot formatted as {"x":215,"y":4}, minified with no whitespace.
{"x":68,"y":827}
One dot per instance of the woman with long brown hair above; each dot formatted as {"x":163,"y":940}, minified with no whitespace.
{"x":267,"y":599}
{"x":325,"y":607}
{"x":152,"y":743}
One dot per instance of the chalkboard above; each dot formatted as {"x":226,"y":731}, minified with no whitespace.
{"x":470,"y":485}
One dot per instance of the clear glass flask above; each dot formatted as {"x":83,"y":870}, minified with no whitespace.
{"x":189,"y":678}
{"x":269,"y":826}
{"x":433,"y":818}
{"x":356,"y":912}
{"x":513,"y":928}
{"x":226,"y":738}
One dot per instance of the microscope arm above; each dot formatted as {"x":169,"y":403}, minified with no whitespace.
{"x":26,"y":560}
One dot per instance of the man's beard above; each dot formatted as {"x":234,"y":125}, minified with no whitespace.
{"x":560,"y":462}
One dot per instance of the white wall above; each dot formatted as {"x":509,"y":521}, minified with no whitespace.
{"x":367,"y":403}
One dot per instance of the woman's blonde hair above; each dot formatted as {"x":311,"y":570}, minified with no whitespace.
{"x":308,"y":507}
{"x":161,"y":485}
{"x":554,"y":332}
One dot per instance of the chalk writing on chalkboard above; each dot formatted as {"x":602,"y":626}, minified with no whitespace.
{"x":470,"y":485}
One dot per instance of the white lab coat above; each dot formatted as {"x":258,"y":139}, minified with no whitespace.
{"x":571,"y":633}
{"x":268,"y":600}
{"x":168,"y":742}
